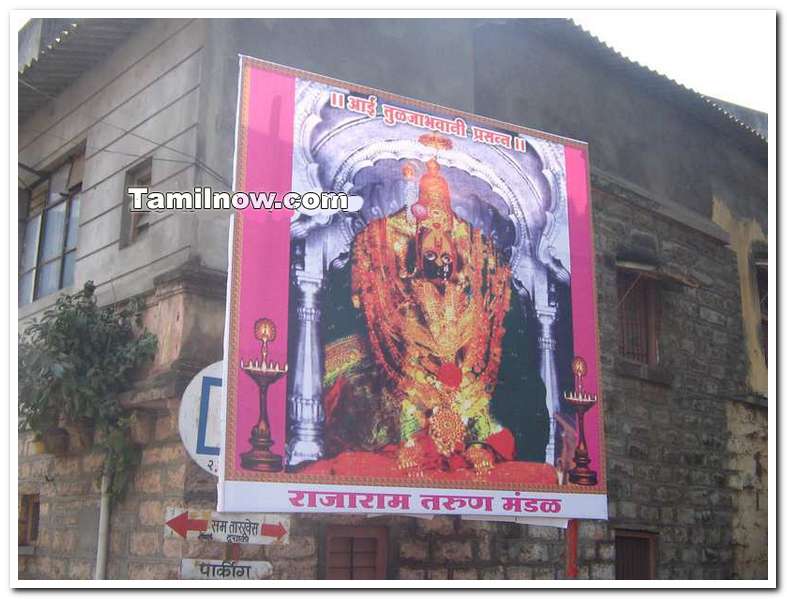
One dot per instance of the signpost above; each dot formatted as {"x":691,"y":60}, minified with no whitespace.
{"x":255,"y":529}
{"x":201,"y":569}
{"x":199,"y":419}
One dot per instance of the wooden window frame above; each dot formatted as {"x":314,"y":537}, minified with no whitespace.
{"x":29,"y":515}
{"x":652,"y":539}
{"x":646,"y":289}
{"x":130,"y":222}
{"x":69,"y":197}
{"x":380,"y":533}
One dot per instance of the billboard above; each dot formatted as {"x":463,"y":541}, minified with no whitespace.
{"x":433,"y":348}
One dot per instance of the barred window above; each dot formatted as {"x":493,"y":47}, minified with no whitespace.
{"x":638,"y":317}
{"x":762,"y":290}
{"x":47,"y":257}
{"x":356,"y":552}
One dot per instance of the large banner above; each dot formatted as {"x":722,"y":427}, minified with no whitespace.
{"x":433,"y":348}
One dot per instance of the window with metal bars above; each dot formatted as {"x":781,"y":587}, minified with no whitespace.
{"x":47,"y":256}
{"x":635,"y":555}
{"x":29,"y":506}
{"x":762,"y":290}
{"x":638,"y":317}
{"x":356,"y":552}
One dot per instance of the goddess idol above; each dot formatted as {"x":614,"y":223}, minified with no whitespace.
{"x":433,"y":295}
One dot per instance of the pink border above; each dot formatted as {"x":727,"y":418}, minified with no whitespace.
{"x":265,"y":247}
{"x":583,"y":289}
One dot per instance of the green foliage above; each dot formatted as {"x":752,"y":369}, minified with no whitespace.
{"x":74,"y":362}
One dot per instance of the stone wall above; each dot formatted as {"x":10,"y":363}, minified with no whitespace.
{"x":675,"y":454}
{"x":747,"y":448}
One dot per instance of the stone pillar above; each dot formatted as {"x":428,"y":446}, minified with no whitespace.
{"x":548,"y":370}
{"x":305,"y":402}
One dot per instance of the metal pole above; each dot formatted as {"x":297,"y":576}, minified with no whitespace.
{"x":571,"y":549}
{"x":103,"y":527}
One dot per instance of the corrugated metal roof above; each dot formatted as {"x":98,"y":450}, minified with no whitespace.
{"x":80,"y":45}
{"x":699,"y":104}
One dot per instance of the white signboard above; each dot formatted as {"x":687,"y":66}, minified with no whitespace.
{"x":201,"y":569}
{"x":255,"y":529}
{"x":199,"y":418}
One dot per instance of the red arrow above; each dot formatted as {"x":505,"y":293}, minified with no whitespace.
{"x":182,"y":524}
{"x":273,"y":530}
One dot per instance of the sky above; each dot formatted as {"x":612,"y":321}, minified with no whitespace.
{"x":730,"y":55}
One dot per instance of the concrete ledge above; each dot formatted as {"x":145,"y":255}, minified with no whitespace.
{"x":667,"y":208}
{"x":754,"y":399}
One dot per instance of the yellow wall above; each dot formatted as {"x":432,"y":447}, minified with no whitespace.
{"x":742,"y":233}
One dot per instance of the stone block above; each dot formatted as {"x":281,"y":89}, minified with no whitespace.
{"x":544,"y":574}
{"x":172,"y":547}
{"x":453,"y":551}
{"x":160,"y":570}
{"x":518,"y":573}
{"x":437,"y":574}
{"x":606,"y":552}
{"x":414,"y":550}
{"x":602,"y":571}
{"x":145,"y":543}
{"x":300,"y":569}
{"x":151,"y":513}
{"x":543,"y":532}
{"x":147,"y":481}
{"x":589,"y":529}
{"x":406,"y":573}
{"x":440,"y":525}
{"x":174,"y":479}
{"x":484,"y":545}
{"x":297,"y":548}
{"x":464,"y":574}
{"x":496,"y":573}
{"x":522,"y":551}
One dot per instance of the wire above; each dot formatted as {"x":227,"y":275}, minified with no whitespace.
{"x":103,"y":120}
{"x":631,"y":287}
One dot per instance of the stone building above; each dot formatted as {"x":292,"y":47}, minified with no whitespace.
{"x":679,"y":188}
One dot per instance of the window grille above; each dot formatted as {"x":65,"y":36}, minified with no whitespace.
{"x":356,"y":553}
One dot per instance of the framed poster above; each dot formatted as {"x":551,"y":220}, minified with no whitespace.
{"x":433,"y":348}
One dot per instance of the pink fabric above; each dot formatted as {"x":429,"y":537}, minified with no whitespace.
{"x":583,"y":296}
{"x":264,"y":287}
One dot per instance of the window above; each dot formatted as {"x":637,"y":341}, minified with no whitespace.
{"x":638,"y":317}
{"x":28,"y":519}
{"x":762,"y":290}
{"x":635,"y":555}
{"x":134,"y":224}
{"x":47,"y":255}
{"x":356,"y":553}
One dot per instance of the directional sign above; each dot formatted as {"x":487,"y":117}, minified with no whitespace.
{"x":201,"y":569}
{"x":255,"y":529}
{"x":199,"y":418}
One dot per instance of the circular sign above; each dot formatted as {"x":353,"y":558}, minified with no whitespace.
{"x":199,"y":419}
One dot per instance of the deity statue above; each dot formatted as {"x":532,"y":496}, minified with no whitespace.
{"x":434,"y":293}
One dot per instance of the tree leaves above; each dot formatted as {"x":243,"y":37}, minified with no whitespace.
{"x":73,"y":364}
